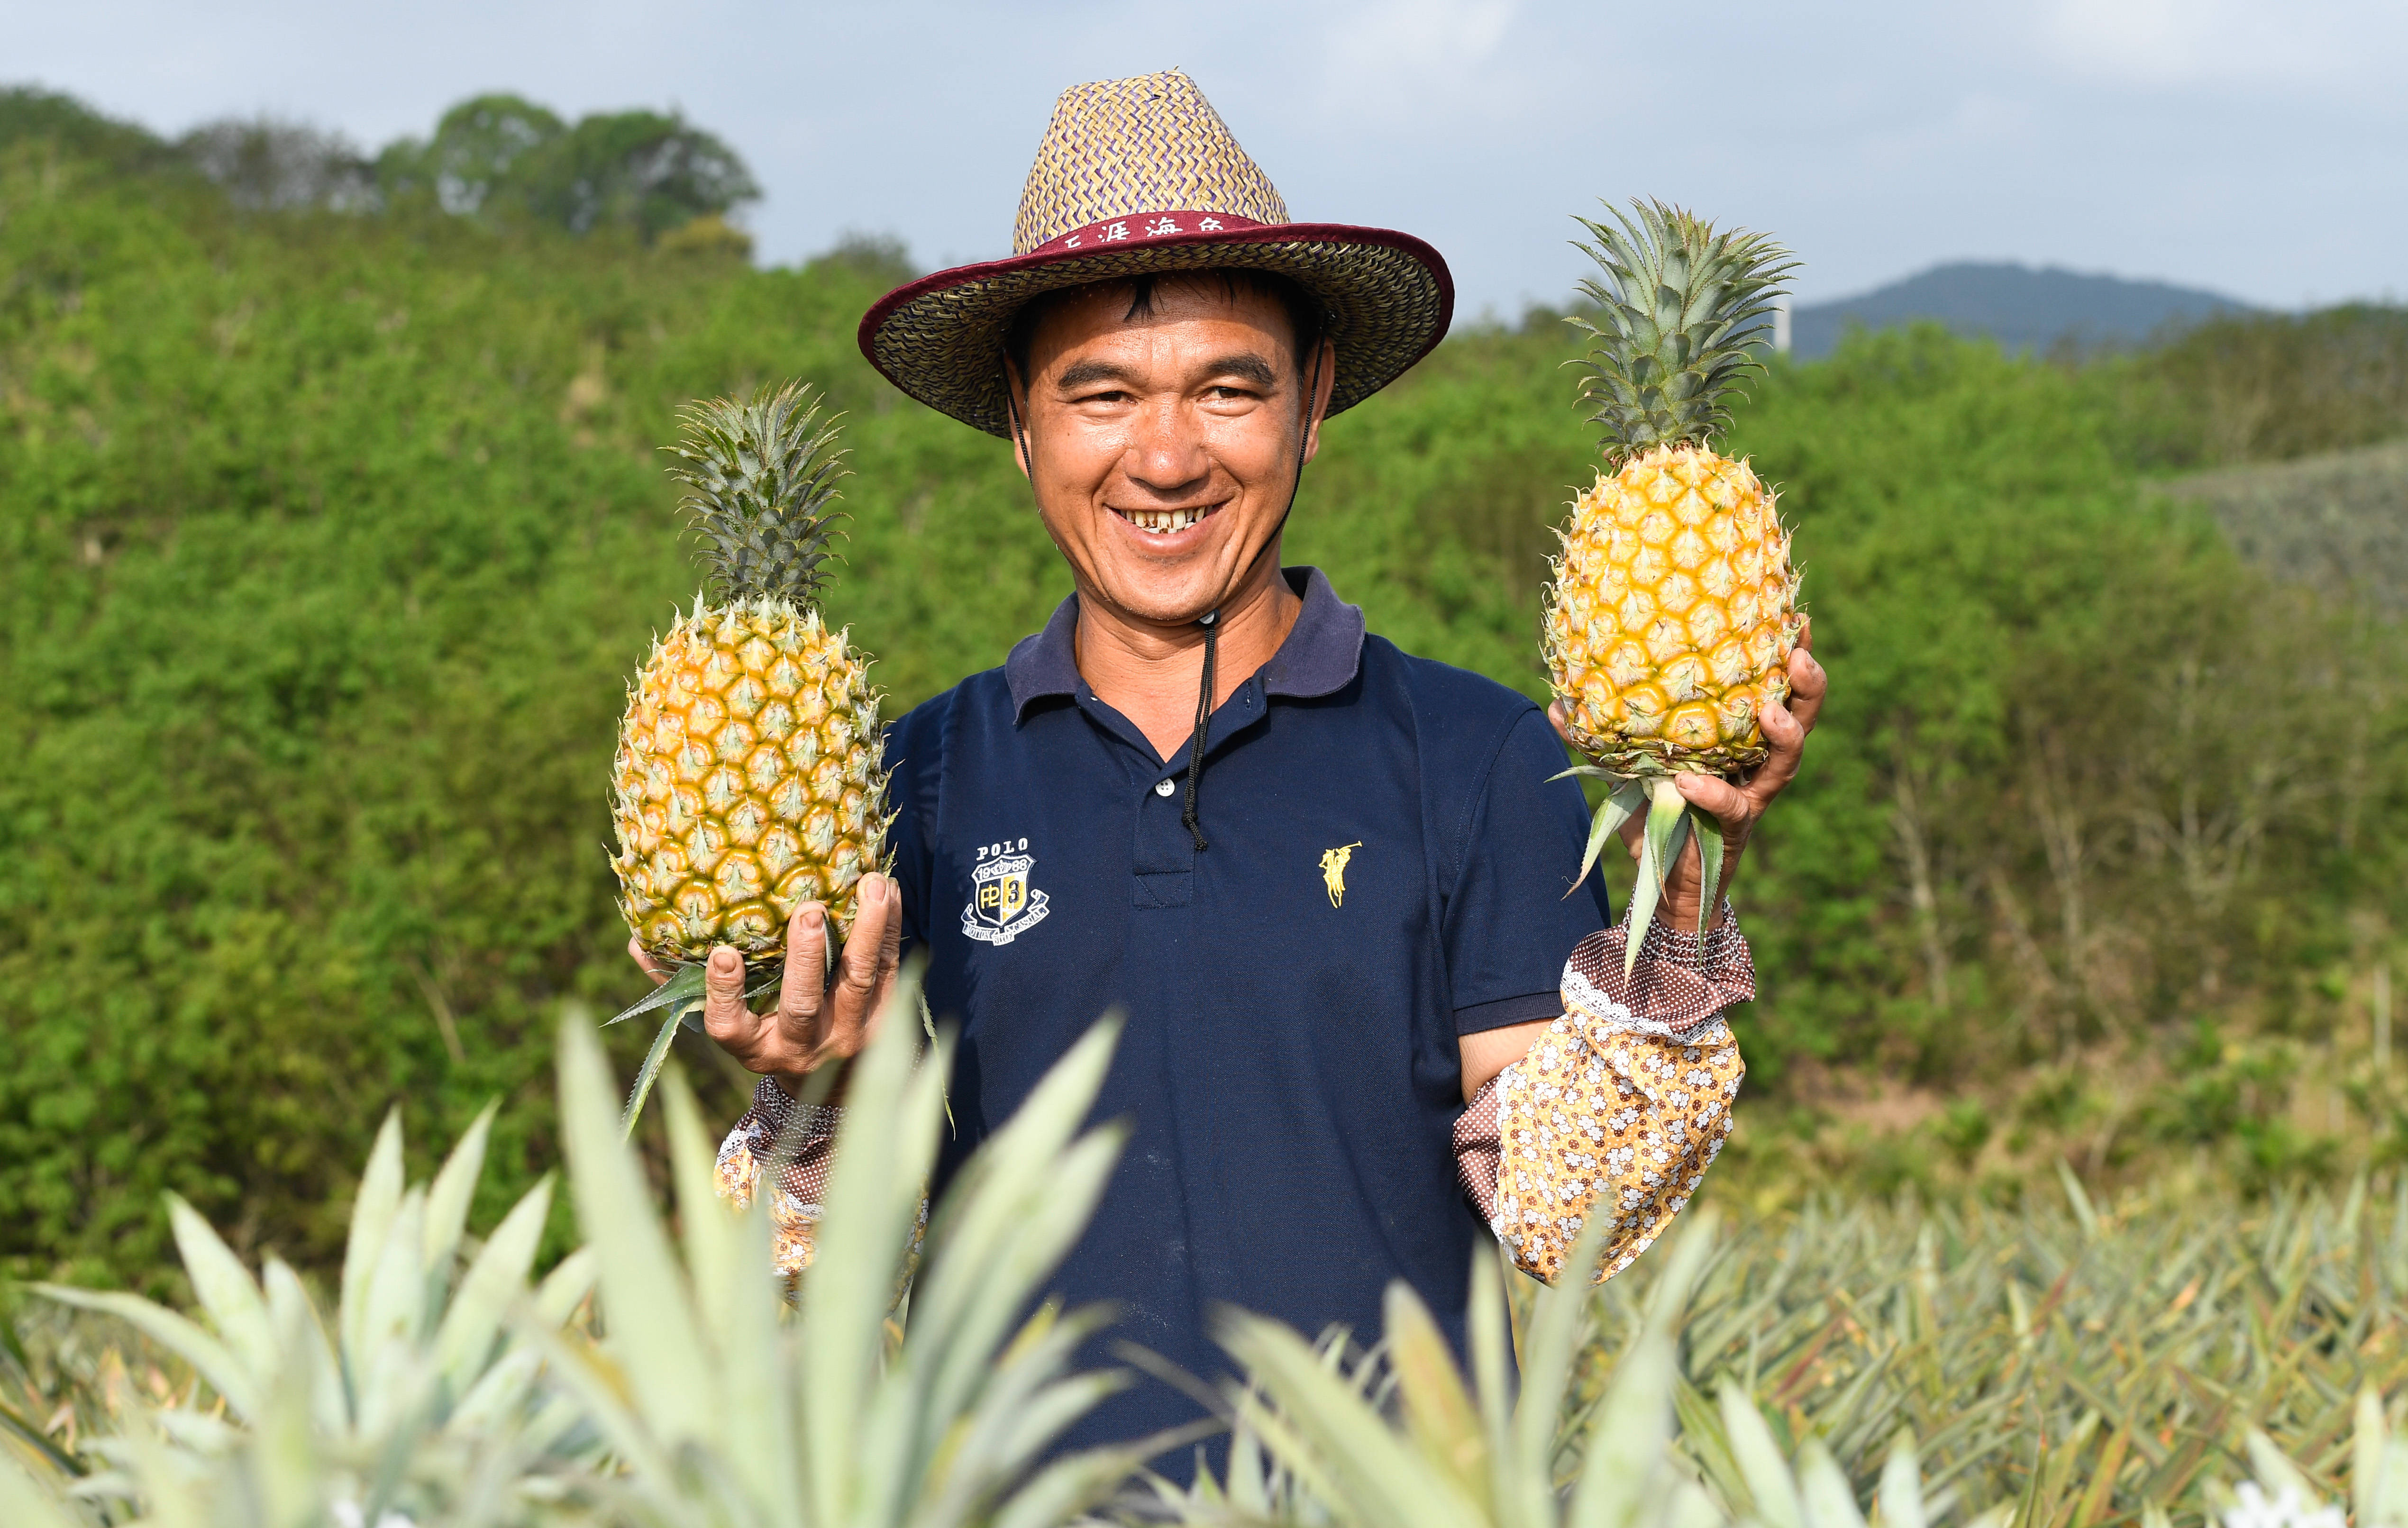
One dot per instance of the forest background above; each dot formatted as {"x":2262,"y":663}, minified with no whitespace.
{"x":332,"y":525}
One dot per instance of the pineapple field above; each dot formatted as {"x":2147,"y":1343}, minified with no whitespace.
{"x":2073,"y":1139}
{"x":2151,"y":1364}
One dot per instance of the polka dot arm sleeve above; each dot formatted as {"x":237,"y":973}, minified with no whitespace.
{"x":1620,"y":1104}
{"x":785,"y":1149}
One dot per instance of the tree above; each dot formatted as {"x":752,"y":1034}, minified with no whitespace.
{"x":506,"y":159}
{"x":268,"y":165}
{"x":479,"y":154}
{"x":28,"y":113}
{"x":639,"y":170}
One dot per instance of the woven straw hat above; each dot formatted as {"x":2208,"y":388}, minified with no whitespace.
{"x":1141,"y":176}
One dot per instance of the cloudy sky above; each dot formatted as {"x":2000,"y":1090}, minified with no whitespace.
{"x":2255,"y":149}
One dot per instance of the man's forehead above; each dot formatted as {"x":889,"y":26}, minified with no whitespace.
{"x":1113,"y":310}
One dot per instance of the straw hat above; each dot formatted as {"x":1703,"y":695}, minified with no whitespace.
{"x":1141,"y":176}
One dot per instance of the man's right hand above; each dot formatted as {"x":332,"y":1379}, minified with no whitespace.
{"x":819,"y":1017}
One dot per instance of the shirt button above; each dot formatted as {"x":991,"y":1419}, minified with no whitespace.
{"x":1164,"y":788}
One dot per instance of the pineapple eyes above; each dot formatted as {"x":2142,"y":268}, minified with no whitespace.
{"x":739,"y":878}
{"x":819,"y":831}
{"x":762,"y":768}
{"x":746,"y":823}
{"x":779,"y":851}
{"x":748,"y":923}
{"x":1692,"y":726}
{"x":789,"y":800}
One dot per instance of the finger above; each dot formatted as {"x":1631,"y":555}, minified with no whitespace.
{"x":890,"y":950}
{"x":1728,"y":804}
{"x":725,"y":1017}
{"x":1559,"y":717}
{"x":1808,"y":684}
{"x":851,"y":1001}
{"x":801,"y":994}
{"x":650,"y":967}
{"x":1784,"y":739}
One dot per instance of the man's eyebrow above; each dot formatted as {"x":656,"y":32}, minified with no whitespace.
{"x":1245,"y":364}
{"x":1079,"y":374}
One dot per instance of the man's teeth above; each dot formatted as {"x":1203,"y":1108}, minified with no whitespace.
{"x":1162,"y":522}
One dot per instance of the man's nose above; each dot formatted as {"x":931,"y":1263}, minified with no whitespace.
{"x":1166,"y":451}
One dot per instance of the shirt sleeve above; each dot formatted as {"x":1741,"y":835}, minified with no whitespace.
{"x":1621,"y":1104}
{"x":1511,"y":906}
{"x":785,"y":1149}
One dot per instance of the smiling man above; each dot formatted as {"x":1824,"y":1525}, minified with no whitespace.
{"x":1370,"y":1020}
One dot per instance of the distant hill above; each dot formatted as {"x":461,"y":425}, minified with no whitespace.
{"x":2021,"y":307}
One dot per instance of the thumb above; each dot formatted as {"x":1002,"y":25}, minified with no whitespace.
{"x":723,"y":1014}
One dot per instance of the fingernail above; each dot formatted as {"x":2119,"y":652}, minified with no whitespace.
{"x":724,"y":961}
{"x":814,"y":915}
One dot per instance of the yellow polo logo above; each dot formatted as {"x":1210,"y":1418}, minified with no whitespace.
{"x":1333,"y":870}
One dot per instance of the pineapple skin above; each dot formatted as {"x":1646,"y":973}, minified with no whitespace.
{"x":1671,"y":615}
{"x":748,"y":781}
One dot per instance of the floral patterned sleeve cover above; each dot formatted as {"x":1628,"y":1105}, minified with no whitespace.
{"x":1621,"y":1103}
{"x":787,"y":1147}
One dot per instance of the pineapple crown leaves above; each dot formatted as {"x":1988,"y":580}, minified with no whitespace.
{"x":759,"y":479}
{"x":1680,"y":311}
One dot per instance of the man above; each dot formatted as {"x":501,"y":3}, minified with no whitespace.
{"x":1325,"y":882}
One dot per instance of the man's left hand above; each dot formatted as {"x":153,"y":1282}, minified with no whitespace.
{"x":1739,"y":807}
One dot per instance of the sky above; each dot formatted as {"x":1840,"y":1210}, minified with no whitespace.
{"x":2256,"y":149}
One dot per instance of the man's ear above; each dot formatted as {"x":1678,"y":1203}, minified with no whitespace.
{"x":1325,"y":364}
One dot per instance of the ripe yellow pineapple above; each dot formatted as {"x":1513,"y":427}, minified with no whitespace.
{"x":1673,"y":608}
{"x":749,"y":776}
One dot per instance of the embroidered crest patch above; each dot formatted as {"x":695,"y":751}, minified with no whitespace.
{"x":1003,"y":906}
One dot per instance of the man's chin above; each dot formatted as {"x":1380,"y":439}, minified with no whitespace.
{"x":1175,"y":593}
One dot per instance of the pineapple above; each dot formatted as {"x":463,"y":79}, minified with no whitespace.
{"x":749,"y":776}
{"x":1672,"y":611}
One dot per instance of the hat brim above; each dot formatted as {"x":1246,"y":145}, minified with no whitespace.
{"x":1388,"y":297}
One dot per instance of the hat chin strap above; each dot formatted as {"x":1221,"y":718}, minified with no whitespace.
{"x":1210,"y":619}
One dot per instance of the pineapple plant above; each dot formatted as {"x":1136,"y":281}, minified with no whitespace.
{"x":1672,"y":609}
{"x":749,"y":778}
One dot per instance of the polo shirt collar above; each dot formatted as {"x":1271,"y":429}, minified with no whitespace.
{"x":1322,"y":652}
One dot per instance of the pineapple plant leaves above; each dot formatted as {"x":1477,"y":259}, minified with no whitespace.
{"x":1672,"y":608}
{"x":681,"y":995}
{"x":414,"y":1399}
{"x":726,"y":1413}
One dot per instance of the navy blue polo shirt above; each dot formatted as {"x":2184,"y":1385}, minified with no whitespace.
{"x":1386,"y":871}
